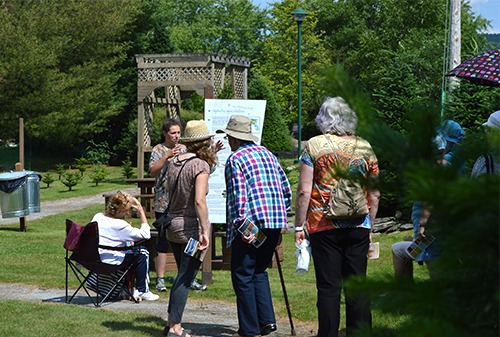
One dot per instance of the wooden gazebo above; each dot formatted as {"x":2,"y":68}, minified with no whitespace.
{"x":181,"y":75}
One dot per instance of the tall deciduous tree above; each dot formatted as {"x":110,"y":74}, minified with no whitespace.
{"x":206,"y":26}
{"x":275,"y":134}
{"x":278,"y":60}
{"x":395,"y":48}
{"x":57,"y":62}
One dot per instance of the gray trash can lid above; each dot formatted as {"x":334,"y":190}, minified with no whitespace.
{"x":33,"y":173}
{"x":10,"y":181}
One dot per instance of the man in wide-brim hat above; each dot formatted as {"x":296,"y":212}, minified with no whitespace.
{"x":257,"y":190}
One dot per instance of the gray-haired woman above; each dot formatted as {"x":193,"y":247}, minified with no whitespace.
{"x":339,"y":246}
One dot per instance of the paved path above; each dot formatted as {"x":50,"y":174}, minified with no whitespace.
{"x":205,"y":318}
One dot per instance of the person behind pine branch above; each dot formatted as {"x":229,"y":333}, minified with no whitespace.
{"x":449,"y":136}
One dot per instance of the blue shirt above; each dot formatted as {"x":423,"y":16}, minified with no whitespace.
{"x":257,"y":189}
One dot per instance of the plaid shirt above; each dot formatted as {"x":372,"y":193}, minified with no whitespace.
{"x":257,"y":189}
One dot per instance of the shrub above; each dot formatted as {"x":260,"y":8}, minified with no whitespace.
{"x":47,"y":179}
{"x":470,"y":105}
{"x":194,"y":103}
{"x":98,"y":174}
{"x":71,"y":179}
{"x":60,"y":170}
{"x":81,"y":164}
{"x":98,"y":154}
{"x":127,"y":169}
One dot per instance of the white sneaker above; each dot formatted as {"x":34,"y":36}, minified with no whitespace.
{"x":148,"y":296}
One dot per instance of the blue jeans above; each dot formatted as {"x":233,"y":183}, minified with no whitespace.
{"x":187,"y":267}
{"x":251,"y":283}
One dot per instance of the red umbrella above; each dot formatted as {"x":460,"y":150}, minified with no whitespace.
{"x":483,"y":69}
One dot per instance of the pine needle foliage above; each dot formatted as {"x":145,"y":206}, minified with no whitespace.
{"x":462,"y":297}
{"x":98,"y":174}
{"x":48,"y":179}
{"x":71,"y":179}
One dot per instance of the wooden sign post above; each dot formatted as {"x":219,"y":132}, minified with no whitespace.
{"x":20,"y":167}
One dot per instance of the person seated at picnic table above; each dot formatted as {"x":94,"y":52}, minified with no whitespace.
{"x":115,"y":232}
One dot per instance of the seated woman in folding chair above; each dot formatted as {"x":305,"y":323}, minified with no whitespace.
{"x":115,"y":232}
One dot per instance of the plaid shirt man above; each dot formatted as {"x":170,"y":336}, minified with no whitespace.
{"x":257,"y":189}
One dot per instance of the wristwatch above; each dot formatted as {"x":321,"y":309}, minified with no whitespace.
{"x":299,"y":229}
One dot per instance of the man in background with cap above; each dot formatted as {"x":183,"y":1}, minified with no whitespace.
{"x":489,"y":162}
{"x":257,"y":190}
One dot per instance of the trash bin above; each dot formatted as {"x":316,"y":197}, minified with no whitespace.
{"x":14,"y":194}
{"x":34,"y":191}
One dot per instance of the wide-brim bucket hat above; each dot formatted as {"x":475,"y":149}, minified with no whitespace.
{"x":452,"y":131}
{"x":239,"y":127}
{"x":196,"y":131}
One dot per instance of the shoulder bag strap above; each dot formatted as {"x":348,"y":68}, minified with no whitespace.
{"x":490,"y":166}
{"x":163,"y":172}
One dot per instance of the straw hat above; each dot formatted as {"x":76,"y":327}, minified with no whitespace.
{"x":239,"y":127}
{"x":196,"y":131}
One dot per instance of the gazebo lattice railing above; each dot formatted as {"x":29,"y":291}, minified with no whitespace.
{"x":181,"y":75}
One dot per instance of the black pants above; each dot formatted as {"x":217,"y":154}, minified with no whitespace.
{"x":337,"y":255}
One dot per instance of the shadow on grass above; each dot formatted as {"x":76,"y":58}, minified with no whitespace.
{"x":116,"y":180}
{"x":135,"y":325}
{"x":12,"y":229}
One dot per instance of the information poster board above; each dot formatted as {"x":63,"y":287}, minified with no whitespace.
{"x":217,"y":114}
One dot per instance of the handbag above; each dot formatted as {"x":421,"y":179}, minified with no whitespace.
{"x":163,"y":222}
{"x":347,"y":198}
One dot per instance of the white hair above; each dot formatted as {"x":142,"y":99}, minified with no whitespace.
{"x":336,"y":117}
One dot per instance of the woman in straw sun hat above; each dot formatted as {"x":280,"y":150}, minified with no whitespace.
{"x":187,"y":187}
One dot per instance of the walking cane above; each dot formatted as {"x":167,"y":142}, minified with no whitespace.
{"x":284,"y":290}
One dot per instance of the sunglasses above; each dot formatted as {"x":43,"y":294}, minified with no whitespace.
{"x":126,"y":197}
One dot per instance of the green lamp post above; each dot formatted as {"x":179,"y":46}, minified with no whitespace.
{"x":299,"y":15}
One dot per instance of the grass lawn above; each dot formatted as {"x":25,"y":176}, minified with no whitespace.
{"x":37,"y":258}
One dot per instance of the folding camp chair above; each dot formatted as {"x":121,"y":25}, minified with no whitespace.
{"x":83,"y":242}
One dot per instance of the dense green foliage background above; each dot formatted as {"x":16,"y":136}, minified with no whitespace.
{"x":68,"y":68}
